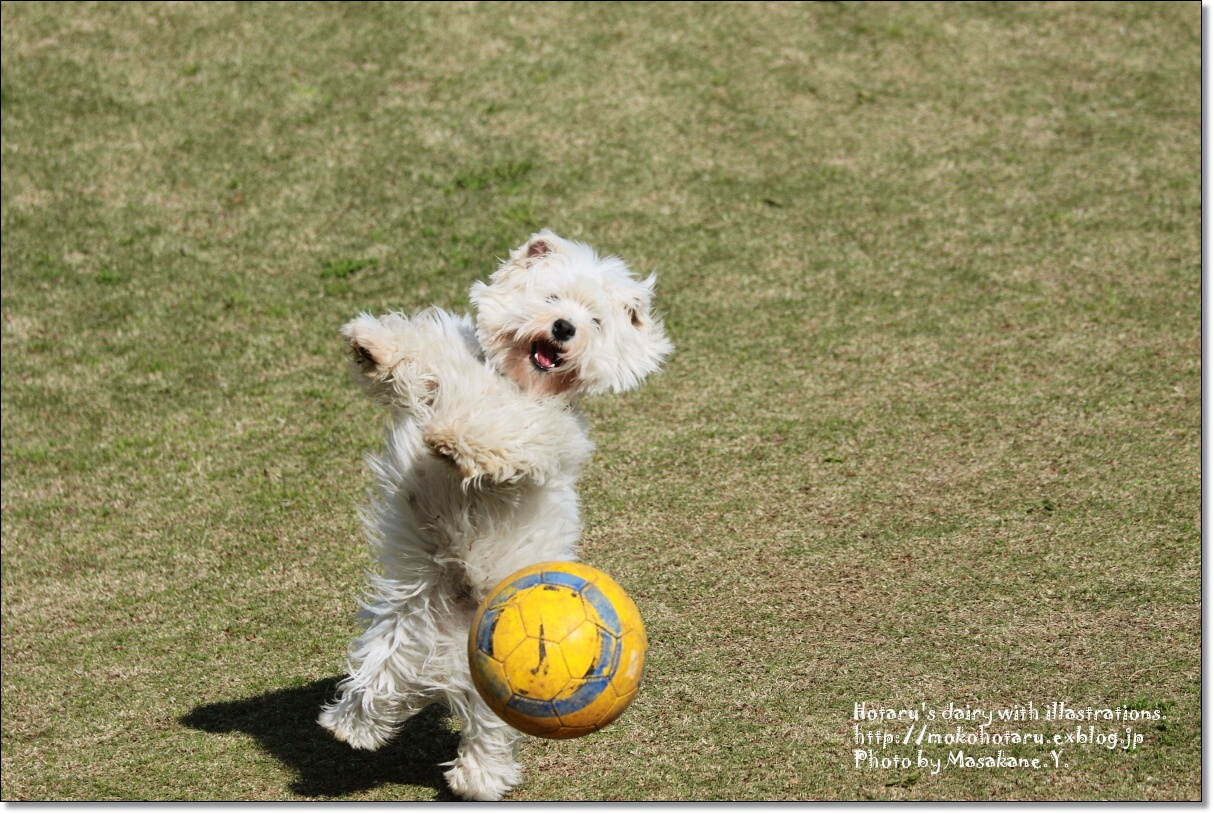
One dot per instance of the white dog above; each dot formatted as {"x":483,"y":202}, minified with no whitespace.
{"x":477,"y":477}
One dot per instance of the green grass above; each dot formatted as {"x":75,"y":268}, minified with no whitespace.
{"x":931,"y":434}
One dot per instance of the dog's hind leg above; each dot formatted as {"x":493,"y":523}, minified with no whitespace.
{"x":486,"y":766}
{"x":365,"y":719}
{"x":380,"y":693}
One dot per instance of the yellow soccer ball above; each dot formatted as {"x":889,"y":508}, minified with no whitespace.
{"x":557,"y":650}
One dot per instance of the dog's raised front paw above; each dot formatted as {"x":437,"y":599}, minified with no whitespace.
{"x":385,"y":356}
{"x":475,"y":462}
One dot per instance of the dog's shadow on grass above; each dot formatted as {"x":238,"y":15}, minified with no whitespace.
{"x":284,"y":723}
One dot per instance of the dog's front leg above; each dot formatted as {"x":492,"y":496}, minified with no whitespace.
{"x":520,"y":439}
{"x":391,"y":358}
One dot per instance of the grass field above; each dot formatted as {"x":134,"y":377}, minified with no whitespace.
{"x":931,"y":436}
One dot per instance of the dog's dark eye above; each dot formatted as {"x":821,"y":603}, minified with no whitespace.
{"x":636,"y":318}
{"x":598,"y":322}
{"x":553,"y":298}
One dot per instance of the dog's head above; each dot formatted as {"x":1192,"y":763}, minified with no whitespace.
{"x":558,"y":319}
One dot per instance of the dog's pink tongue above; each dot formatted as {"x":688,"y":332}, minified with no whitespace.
{"x":542,"y":356}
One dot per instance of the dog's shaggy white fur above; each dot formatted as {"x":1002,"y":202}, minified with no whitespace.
{"x":477,"y":477}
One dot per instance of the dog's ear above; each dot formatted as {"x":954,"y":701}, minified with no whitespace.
{"x":638,"y":305}
{"x":539,"y":245}
{"x":538,"y":248}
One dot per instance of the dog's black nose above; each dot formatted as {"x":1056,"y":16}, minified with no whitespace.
{"x":563,"y":331}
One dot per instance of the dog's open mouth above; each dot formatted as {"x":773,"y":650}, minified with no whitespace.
{"x":545,"y":355}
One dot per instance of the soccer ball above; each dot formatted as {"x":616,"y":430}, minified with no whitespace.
{"x":557,"y":650}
